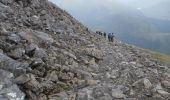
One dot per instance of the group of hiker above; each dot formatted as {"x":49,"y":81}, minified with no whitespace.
{"x":110,"y":35}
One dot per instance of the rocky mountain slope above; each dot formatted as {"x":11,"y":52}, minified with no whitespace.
{"x":45,"y":54}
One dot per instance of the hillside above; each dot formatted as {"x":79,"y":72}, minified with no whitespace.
{"x":46,"y":54}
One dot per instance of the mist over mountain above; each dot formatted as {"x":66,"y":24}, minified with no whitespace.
{"x":136,"y":22}
{"x":153,"y":8}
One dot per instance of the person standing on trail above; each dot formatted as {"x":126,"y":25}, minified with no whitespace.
{"x":109,"y":37}
{"x":97,"y":32}
{"x":100,"y":33}
{"x":112,"y":37}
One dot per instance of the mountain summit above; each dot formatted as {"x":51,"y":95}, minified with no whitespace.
{"x":46,"y":54}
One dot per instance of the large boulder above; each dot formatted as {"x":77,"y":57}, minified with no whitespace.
{"x":36,"y":37}
{"x":6,"y":1}
{"x":5,"y":9}
{"x":9,"y":90}
{"x":11,"y":65}
{"x":93,"y":52}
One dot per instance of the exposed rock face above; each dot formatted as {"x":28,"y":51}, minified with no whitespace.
{"x":54,"y":57}
{"x":9,"y":90}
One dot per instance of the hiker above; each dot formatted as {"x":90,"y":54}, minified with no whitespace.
{"x":97,"y":32}
{"x":112,"y":37}
{"x":104,"y":34}
{"x":109,"y":37}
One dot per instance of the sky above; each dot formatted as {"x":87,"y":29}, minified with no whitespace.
{"x":87,"y":3}
{"x":82,"y":4}
{"x":151,"y":8}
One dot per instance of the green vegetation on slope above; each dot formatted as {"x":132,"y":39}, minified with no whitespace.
{"x":158,"y":56}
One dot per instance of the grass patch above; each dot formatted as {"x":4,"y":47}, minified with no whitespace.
{"x":161,"y":57}
{"x":158,"y":56}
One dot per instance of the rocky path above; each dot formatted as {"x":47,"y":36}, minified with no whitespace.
{"x":125,"y":74}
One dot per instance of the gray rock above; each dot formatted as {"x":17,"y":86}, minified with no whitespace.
{"x":43,"y":12}
{"x":52,"y":77}
{"x":1,"y":51}
{"x":83,"y":74}
{"x":72,"y":96}
{"x":166,"y":84}
{"x":30,"y":49}
{"x":35,"y":20}
{"x":43,"y":37}
{"x":11,"y":65}
{"x":93,"y":65}
{"x":114,"y":74}
{"x":118,"y":94}
{"x":40,"y":53}
{"x":36,"y":37}
{"x":32,"y":84}
{"x":92,"y":82}
{"x":158,"y":87}
{"x":36,"y":63}
{"x":59,"y":96}
{"x":163,"y":93}
{"x":139,"y":73}
{"x":6,"y":46}
{"x":5,"y":9}
{"x":93,"y":52}
{"x":17,"y":53}
{"x":27,"y":35}
{"x":136,"y":83}
{"x":63,"y":77}
{"x":108,"y":75}
{"x":6,"y":1}
{"x":98,"y":92}
{"x":69,"y":54}
{"x":14,"y":38}
{"x":84,"y":94}
{"x":22,"y":79}
{"x":3,"y":16}
{"x":9,"y":90}
{"x":147,"y":83}
{"x":105,"y":97}
{"x":13,"y":92}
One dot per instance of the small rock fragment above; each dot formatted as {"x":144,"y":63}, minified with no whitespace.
{"x":118,"y":94}
{"x":92,"y":82}
{"x":22,"y":79}
{"x":147,"y":83}
{"x":166,"y":84}
{"x":163,"y":93}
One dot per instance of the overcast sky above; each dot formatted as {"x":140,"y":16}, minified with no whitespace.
{"x":89,"y":3}
{"x":151,"y":8}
